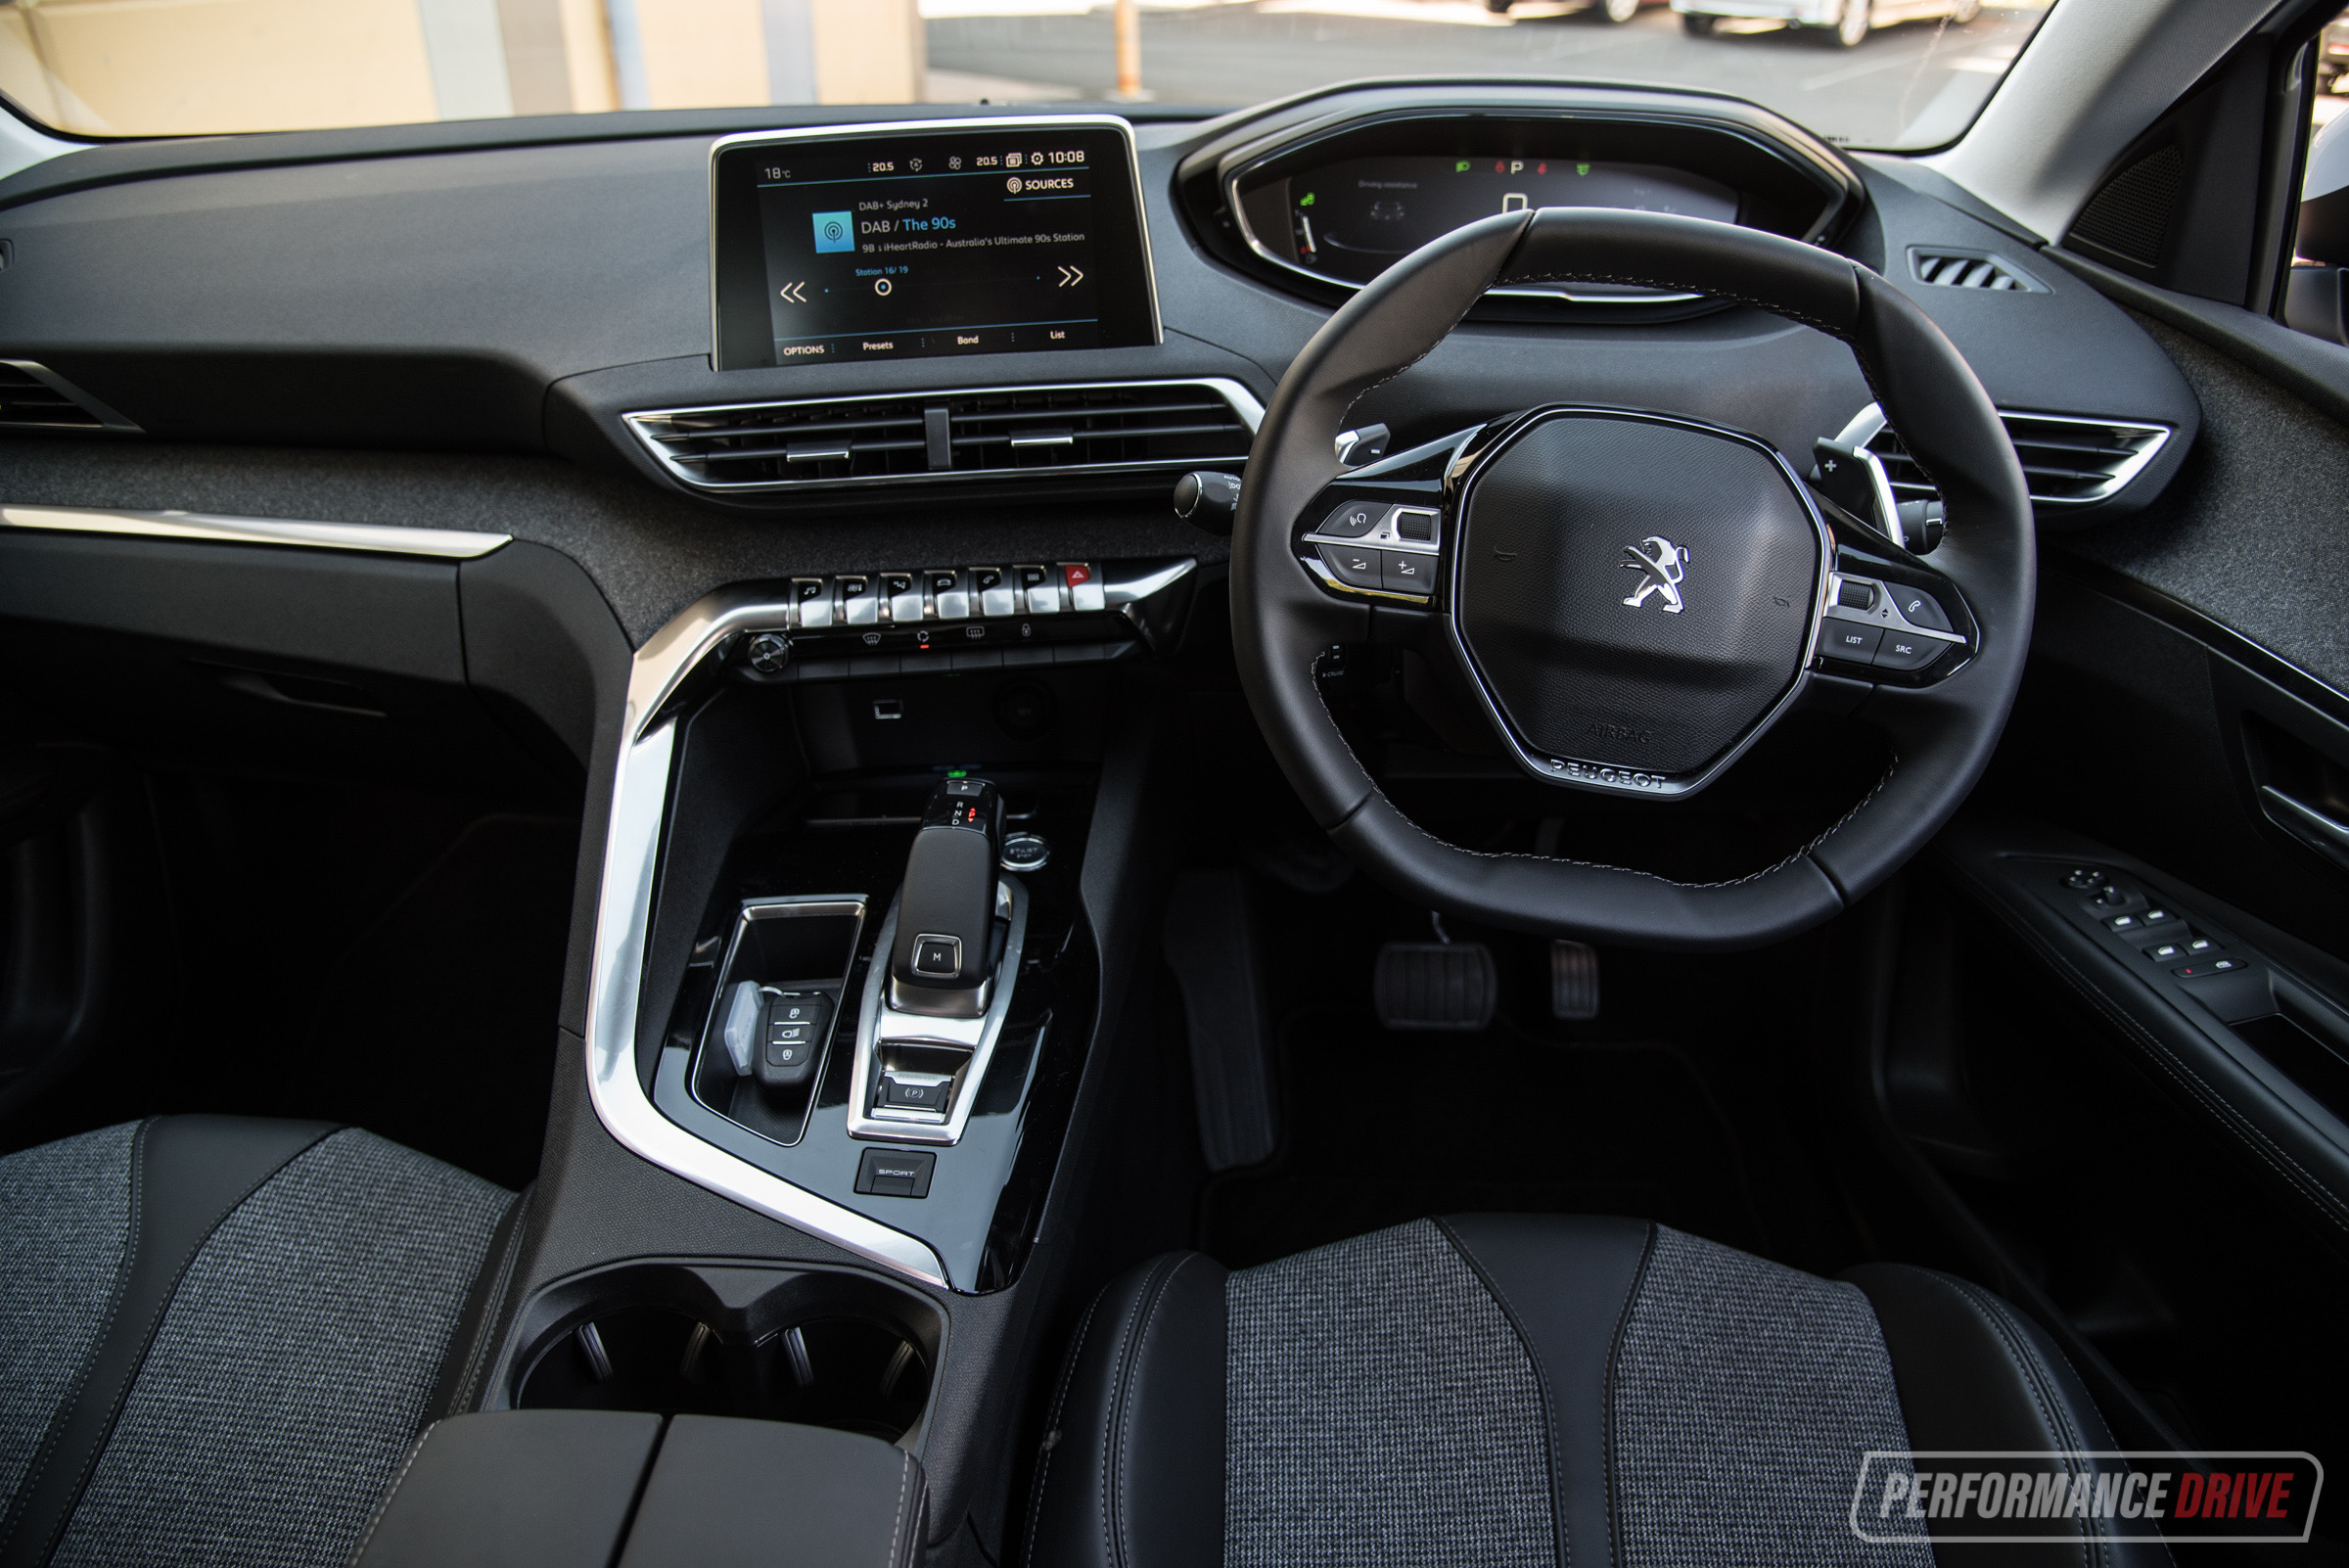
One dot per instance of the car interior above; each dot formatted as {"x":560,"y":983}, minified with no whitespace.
{"x":1456,"y":820}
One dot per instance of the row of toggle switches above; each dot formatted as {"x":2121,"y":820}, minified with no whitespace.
{"x":943,"y":593}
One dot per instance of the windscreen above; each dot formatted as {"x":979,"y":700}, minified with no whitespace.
{"x":1899,"y":75}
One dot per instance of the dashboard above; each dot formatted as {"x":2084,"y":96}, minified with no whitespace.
{"x":643,"y":345}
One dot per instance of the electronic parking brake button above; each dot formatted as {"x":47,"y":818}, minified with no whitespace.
{"x":917,"y":1095}
{"x":896,"y":1172}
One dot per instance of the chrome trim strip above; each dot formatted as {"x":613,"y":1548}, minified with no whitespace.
{"x":622,"y":921}
{"x":1132,"y":590}
{"x":448,"y":545}
{"x":978,"y":1035}
{"x":107,"y":419}
{"x":1237,"y":397}
{"x":1608,"y":778}
{"x":1870,"y":421}
{"x":1116,"y":122}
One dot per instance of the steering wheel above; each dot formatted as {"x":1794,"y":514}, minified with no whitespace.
{"x":1635,"y":597}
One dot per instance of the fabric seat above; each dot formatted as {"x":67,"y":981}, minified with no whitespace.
{"x":219,"y":1334}
{"x":1531,"y":1390}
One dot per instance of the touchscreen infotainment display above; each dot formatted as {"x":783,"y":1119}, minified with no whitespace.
{"x":955,"y":237}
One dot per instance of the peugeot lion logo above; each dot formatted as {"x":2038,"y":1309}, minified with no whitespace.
{"x":1660,"y":566}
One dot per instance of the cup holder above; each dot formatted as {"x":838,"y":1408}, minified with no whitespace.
{"x":820,"y":1347}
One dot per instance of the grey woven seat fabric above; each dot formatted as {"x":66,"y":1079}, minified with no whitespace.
{"x":64,"y":1215}
{"x":1408,"y":1426}
{"x":289,"y":1369}
{"x":1409,"y":1423}
{"x":1730,"y":1368}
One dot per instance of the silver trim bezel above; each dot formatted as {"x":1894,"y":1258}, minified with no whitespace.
{"x":448,"y":544}
{"x":623,"y":922}
{"x":1870,"y":421}
{"x":1608,"y":778}
{"x":897,"y":128}
{"x":1237,"y":397}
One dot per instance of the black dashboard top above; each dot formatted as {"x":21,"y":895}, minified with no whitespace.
{"x":517,"y":294}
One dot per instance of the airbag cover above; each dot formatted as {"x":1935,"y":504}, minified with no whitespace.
{"x":1589,"y":651}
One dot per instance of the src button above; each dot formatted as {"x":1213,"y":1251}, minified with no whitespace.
{"x":1906,"y":649}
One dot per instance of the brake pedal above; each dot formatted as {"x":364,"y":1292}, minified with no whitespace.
{"x":1432,"y":984}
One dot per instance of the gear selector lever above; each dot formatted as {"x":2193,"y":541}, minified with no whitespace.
{"x":942,"y":962}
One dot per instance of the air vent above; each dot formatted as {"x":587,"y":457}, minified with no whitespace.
{"x":2066,"y":461}
{"x":35,"y":397}
{"x":1970,"y":269}
{"x":1101,"y":427}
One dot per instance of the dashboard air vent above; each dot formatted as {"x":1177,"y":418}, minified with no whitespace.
{"x":1970,"y":269}
{"x":1101,"y":427}
{"x":35,"y":397}
{"x":2067,"y":461}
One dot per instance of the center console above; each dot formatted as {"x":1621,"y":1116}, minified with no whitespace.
{"x":877,"y":854}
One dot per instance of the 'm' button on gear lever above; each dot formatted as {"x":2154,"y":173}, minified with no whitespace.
{"x":941,"y":961}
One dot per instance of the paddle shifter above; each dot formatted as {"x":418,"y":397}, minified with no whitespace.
{"x":941,"y":963}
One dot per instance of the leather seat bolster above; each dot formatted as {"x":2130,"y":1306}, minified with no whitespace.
{"x":1976,"y":1375}
{"x":1132,"y":1470}
{"x":1565,"y":1281}
{"x":187,"y":1174}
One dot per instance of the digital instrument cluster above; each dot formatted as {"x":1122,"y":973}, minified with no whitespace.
{"x":1354,"y":218}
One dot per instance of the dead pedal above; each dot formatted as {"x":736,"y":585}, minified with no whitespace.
{"x":1432,"y":984}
